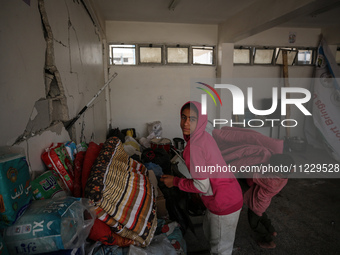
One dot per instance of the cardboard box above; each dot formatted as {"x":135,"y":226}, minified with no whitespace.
{"x":161,"y":205}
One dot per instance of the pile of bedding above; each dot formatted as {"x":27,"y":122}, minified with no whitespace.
{"x":121,"y":187}
{"x":122,"y":193}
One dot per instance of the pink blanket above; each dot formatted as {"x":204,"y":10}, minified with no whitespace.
{"x":245,"y":147}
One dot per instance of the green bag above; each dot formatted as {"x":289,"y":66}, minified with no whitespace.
{"x":47,"y":185}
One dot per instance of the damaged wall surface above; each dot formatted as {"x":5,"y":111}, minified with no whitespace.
{"x":51,"y":67}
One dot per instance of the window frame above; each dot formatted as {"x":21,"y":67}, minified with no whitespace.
{"x":192,"y":47}
{"x":178,"y":46}
{"x":110,"y":55}
{"x":150,"y":45}
{"x":336,"y":54}
{"x":276,"y":53}
{"x":313,"y":57}
{"x":164,"y":55}
{"x":291,"y":49}
{"x":263,"y":48}
{"x":250,"y":49}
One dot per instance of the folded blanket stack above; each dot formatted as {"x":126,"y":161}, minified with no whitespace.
{"x":122,"y":193}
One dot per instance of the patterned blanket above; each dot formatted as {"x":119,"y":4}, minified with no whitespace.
{"x":122,"y":193}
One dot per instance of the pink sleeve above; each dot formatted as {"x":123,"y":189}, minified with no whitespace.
{"x":199,"y":183}
{"x":186,"y":185}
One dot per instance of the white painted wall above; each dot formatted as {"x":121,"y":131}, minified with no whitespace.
{"x":273,"y":37}
{"x":278,"y":36}
{"x":78,"y":57}
{"x":22,"y":63}
{"x":136,"y":91}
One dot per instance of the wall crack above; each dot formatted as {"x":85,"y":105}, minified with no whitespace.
{"x":53,"y":108}
{"x":60,"y":43}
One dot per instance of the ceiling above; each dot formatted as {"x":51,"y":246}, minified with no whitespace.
{"x":319,"y":14}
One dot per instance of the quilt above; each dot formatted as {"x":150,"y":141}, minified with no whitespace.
{"x":122,"y":193}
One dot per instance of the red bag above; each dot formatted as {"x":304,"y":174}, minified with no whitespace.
{"x":57,"y":159}
{"x":91,"y":155}
{"x":78,"y":166}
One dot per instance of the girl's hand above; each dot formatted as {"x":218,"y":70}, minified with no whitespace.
{"x":168,"y":180}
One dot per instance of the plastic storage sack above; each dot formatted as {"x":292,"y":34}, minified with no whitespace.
{"x":75,"y":251}
{"x":71,"y":149}
{"x":160,"y":245}
{"x":47,"y":185}
{"x":50,"y":225}
{"x":56,"y":158}
{"x":15,"y":185}
{"x":3,"y":248}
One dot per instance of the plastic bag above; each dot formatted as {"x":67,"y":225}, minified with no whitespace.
{"x":57,"y":159}
{"x":71,"y":149}
{"x":15,"y":185}
{"x":3,"y":248}
{"x":47,"y":185}
{"x":158,"y":246}
{"x":81,"y":147}
{"x":51,"y":225}
{"x":154,"y":129}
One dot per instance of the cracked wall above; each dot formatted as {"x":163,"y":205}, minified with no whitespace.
{"x":51,"y":66}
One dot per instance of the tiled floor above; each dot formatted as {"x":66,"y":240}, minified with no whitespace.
{"x":306,"y":214}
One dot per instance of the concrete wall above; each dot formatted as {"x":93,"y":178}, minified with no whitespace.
{"x":143,"y":94}
{"x":33,"y":100}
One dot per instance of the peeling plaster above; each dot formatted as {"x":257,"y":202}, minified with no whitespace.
{"x":34,"y":113}
{"x":55,"y":108}
{"x":56,"y":133}
{"x":53,"y":83}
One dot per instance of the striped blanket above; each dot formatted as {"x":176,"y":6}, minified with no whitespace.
{"x":122,"y":193}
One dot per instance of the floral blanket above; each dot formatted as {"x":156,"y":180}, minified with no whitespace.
{"x":122,"y":193}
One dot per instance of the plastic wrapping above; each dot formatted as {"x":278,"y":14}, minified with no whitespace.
{"x":160,"y":245}
{"x":56,"y":158}
{"x":51,"y":225}
{"x":47,"y":185}
{"x":15,"y":185}
{"x":154,"y":129}
{"x":3,"y":247}
{"x":71,"y":149}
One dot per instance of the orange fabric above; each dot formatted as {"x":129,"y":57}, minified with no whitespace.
{"x":103,"y":233}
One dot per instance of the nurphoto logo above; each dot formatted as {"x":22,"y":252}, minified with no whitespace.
{"x":238,"y":107}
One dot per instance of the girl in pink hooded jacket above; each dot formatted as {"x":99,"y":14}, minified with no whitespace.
{"x":221,"y":196}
